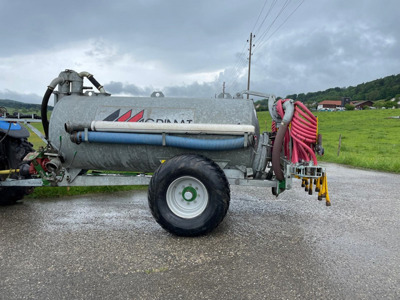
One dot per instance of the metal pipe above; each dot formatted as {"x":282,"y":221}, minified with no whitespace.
{"x":93,"y":81}
{"x":225,"y":129}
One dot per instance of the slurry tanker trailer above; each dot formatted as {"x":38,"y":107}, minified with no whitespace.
{"x":188,"y":150}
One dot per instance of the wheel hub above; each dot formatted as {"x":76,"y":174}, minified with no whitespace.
{"x":189,"y":193}
{"x":187,"y":197}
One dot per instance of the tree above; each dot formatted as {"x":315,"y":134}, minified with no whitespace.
{"x":301,"y":97}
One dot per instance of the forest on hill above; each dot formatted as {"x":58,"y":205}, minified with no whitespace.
{"x":21,"y":107}
{"x":380,"y":89}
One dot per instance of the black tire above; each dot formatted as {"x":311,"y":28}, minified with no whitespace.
{"x":194,"y":177}
{"x":14,"y":151}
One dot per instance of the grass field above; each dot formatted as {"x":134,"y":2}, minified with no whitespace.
{"x":369,"y":139}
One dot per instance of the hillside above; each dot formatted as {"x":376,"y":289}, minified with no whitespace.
{"x":21,"y":107}
{"x":380,"y":89}
{"x":377,"y":90}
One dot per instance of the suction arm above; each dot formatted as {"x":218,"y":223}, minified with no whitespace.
{"x":276,"y":150}
{"x":45,"y":102}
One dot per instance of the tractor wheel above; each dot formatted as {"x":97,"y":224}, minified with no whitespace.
{"x":13,"y":152}
{"x":189,"y":195}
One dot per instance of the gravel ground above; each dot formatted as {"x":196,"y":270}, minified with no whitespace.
{"x":290,"y":247}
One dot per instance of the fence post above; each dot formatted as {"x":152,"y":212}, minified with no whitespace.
{"x":340,"y":144}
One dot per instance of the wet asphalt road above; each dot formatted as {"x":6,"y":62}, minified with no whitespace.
{"x":293,"y":247}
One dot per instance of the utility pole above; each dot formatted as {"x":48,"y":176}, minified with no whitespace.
{"x":223,"y":89}
{"x":248,"y":75}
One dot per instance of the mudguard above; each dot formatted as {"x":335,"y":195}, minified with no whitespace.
{"x":14,"y":130}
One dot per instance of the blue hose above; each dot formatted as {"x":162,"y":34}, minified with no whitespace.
{"x":121,"y":138}
{"x":157,"y":140}
{"x":200,"y":144}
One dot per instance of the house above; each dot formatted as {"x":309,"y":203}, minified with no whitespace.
{"x":340,"y":104}
{"x":362,"y":104}
{"x":329,"y":104}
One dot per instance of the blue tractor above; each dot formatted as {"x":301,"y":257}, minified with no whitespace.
{"x":14,"y":146}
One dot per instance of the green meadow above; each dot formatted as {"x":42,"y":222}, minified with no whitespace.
{"x":369,"y":139}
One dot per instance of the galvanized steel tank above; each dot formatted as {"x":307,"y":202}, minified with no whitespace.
{"x":78,"y":109}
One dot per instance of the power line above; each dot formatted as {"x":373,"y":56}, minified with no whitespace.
{"x":236,"y":74}
{"x":263,"y":42}
{"x":266,"y":16}
{"x":259,"y":16}
{"x":273,"y":22}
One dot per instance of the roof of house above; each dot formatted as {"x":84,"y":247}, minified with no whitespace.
{"x":361,"y":102}
{"x":331,"y":102}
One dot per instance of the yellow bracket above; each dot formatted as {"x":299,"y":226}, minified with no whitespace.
{"x":7,"y":172}
{"x":323,"y":189}
{"x":321,"y":186}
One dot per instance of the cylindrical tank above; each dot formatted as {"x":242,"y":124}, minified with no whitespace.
{"x":77,"y":109}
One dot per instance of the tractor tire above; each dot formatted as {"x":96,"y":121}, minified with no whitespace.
{"x":14,"y":151}
{"x":189,"y":195}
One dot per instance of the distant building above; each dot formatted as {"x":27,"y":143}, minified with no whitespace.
{"x":329,"y":104}
{"x":345,"y":100}
{"x":340,"y":104}
{"x":362,"y":104}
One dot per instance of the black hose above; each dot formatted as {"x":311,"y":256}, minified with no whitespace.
{"x":43,"y":111}
{"x":95,"y":82}
{"x":276,"y":152}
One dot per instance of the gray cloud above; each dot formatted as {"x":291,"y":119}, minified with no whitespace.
{"x":120,"y":88}
{"x":204,"y":90}
{"x":27,"y":98}
{"x":324,"y":44}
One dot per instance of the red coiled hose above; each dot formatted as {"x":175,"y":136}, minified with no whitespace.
{"x":303,"y":131}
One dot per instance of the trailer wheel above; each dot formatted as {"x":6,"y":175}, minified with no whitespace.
{"x":13,"y":151}
{"x":189,"y":195}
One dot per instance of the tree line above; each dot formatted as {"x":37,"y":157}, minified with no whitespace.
{"x":21,"y":107}
{"x":380,"y":89}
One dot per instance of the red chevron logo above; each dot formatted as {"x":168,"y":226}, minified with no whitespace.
{"x":126,"y":117}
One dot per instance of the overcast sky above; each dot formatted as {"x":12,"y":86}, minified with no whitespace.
{"x":189,"y":48}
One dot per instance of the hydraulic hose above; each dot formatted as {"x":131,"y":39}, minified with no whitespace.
{"x":158,"y":140}
{"x":6,"y":134}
